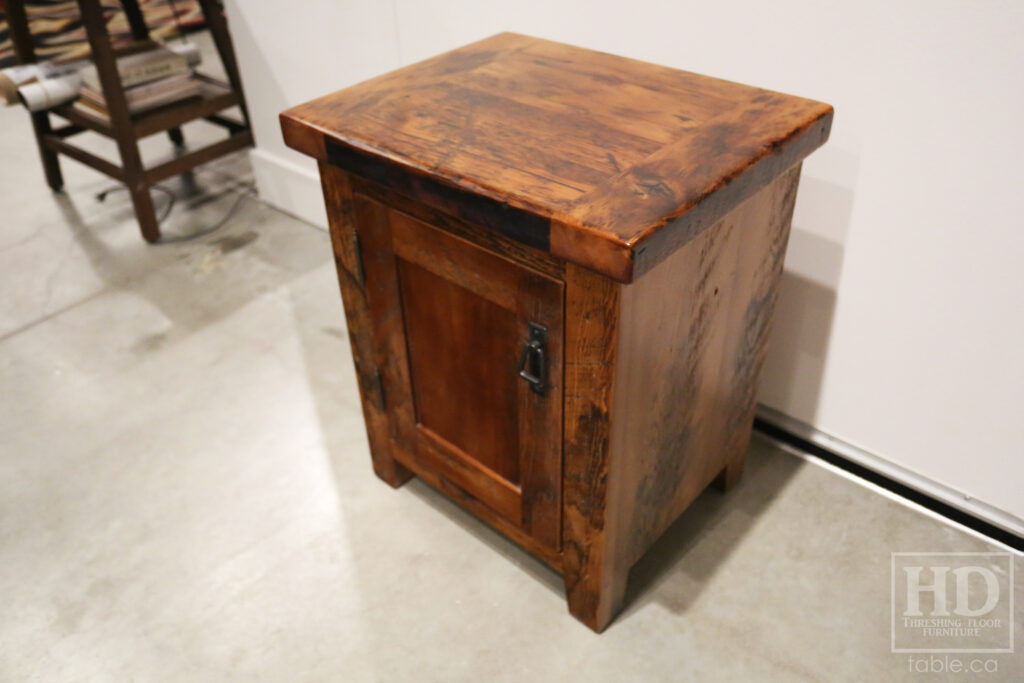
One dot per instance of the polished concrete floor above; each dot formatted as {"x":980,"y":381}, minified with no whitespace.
{"x":186,"y":495}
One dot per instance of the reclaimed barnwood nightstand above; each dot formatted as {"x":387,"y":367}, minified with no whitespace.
{"x":558,"y":268}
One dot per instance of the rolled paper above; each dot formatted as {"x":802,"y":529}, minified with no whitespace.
{"x":49,"y":92}
{"x":46,"y":84}
{"x":14,"y":77}
{"x":189,"y":51}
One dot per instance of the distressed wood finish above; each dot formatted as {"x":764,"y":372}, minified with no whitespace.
{"x":338,"y":198}
{"x":449,"y":319}
{"x":640,"y":213}
{"x":490,"y":240}
{"x":687,"y":374}
{"x":592,"y":562}
{"x":660,"y":399}
{"x":600,"y":160}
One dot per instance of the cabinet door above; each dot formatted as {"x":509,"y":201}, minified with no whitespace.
{"x":455,"y":325}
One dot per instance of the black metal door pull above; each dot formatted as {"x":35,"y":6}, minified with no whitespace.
{"x":533,"y":364}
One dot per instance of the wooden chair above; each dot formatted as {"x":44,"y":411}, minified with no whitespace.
{"x":123,"y":127}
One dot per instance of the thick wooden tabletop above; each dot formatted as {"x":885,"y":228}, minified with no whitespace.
{"x":619,"y":161}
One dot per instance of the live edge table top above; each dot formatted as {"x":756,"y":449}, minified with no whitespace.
{"x":604,"y":161}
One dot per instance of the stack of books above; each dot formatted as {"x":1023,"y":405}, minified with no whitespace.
{"x":150,"y":79}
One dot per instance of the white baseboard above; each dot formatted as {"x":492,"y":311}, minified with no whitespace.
{"x":290,"y":187}
{"x":933,"y":489}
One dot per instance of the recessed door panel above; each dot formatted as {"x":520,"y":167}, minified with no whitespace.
{"x":456,"y":325}
{"x":462,"y":351}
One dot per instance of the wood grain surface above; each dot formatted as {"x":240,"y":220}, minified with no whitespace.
{"x":456,"y":339}
{"x":603,"y":161}
{"x":655,"y":383}
{"x":594,"y":568}
{"x":338,"y":198}
{"x":692,"y":340}
{"x":640,"y":213}
{"x":448,"y":320}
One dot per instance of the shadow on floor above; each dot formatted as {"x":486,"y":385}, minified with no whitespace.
{"x":672,"y":572}
{"x":192,"y":282}
{"x":700,"y":541}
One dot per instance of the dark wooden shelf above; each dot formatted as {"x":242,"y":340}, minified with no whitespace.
{"x":216,"y":96}
{"x":122,"y":126}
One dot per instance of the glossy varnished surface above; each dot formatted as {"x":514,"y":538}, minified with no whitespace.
{"x":447,"y":320}
{"x":458,"y":343}
{"x":622,"y":161}
{"x":213,"y":510}
{"x":687,"y":375}
{"x":639,"y":212}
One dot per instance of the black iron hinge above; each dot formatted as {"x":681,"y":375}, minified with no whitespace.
{"x":382,"y":401}
{"x":357,"y":249}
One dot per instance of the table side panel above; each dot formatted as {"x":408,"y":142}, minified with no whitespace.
{"x":692,"y":343}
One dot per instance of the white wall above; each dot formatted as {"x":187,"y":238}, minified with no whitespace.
{"x":901,"y":315}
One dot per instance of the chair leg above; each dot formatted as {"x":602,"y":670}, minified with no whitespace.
{"x":176,"y":136}
{"x":24,"y":49}
{"x":136,"y":20}
{"x":117,"y":105}
{"x":50,"y":159}
{"x":145,"y":213}
{"x":216,"y":22}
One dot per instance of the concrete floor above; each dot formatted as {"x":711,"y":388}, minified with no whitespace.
{"x":186,"y":492}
